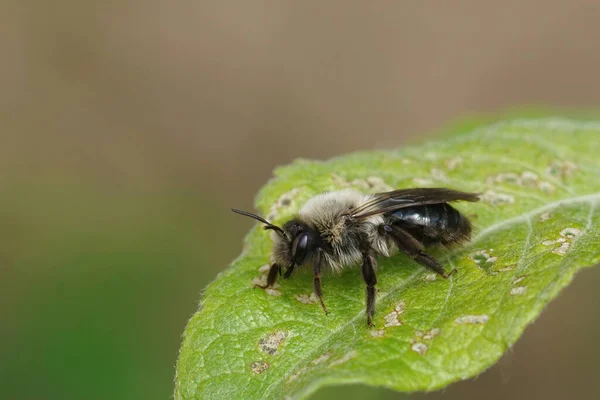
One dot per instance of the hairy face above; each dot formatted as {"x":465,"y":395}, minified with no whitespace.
{"x":296,"y":245}
{"x":282,"y":249}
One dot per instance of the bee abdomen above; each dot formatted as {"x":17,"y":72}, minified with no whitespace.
{"x":432,"y":224}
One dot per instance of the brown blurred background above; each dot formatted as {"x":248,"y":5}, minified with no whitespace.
{"x":128,"y":128}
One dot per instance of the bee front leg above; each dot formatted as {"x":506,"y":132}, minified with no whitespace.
{"x":368,"y":274}
{"x":271,"y":277}
{"x":288,"y":271}
{"x":317,"y":279}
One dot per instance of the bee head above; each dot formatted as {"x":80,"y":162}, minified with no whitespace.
{"x":302,"y":240}
{"x":291,"y":244}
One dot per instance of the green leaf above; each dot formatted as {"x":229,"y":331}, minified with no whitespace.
{"x":536,"y":226}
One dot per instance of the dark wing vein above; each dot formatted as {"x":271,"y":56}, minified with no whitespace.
{"x":387,"y":202}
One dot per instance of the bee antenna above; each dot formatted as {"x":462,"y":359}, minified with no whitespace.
{"x":268,"y":225}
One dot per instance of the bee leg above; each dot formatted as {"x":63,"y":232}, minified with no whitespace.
{"x":271,"y":277}
{"x":317,"y":280}
{"x":368,"y":274}
{"x":414,"y":249}
{"x":288,"y":271}
{"x":434,"y":265}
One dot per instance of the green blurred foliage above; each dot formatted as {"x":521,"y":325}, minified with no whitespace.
{"x":98,"y":286}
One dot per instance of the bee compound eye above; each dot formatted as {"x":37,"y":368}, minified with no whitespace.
{"x":300,"y":248}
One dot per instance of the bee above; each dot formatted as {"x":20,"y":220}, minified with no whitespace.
{"x":346,"y":228}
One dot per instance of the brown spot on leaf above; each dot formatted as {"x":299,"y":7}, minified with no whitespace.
{"x":258,"y":367}
{"x":270,"y":343}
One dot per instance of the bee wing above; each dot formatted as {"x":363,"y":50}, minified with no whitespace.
{"x":387,"y":202}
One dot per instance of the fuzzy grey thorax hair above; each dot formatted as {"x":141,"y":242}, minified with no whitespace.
{"x":325,"y":214}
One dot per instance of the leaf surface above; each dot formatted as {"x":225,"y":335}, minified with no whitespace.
{"x":536,"y":225}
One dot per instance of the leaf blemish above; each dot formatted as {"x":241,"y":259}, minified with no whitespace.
{"x":258,"y":367}
{"x":432,"y":333}
{"x":321,"y":358}
{"x":347,"y":357}
{"x":439,"y":175}
{"x":564,"y":241}
{"x":529,"y":178}
{"x":472,"y":319}
{"x":370,"y":183}
{"x":270,"y":343}
{"x":430,"y":277}
{"x":272,"y":292}
{"x":428,"y":335}
{"x":259,"y":280}
{"x":264,"y":269}
{"x":518,"y":290}
{"x":392,"y":319}
{"x":561,"y":169}
{"x":546,"y":187}
{"x":377,"y":333}
{"x":519,"y":279}
{"x":545,"y":216}
{"x":525,"y":179}
{"x":284,"y":201}
{"x":505,"y":177}
{"x":377,"y":184}
{"x":297,"y":374}
{"x":497,"y":199}
{"x":507,"y":268}
{"x":484,"y":259}
{"x":307,"y":299}
{"x":452,"y":163}
{"x":422,"y":181}
{"x":570,"y":232}
{"x":420,"y":348}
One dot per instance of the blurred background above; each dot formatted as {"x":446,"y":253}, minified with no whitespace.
{"x":128,"y":128}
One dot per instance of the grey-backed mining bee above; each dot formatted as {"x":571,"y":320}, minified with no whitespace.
{"x":347,"y":228}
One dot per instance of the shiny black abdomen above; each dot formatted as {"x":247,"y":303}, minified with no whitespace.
{"x":432,"y":224}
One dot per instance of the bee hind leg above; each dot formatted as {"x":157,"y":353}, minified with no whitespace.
{"x":427,"y":261}
{"x":410,"y":246}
